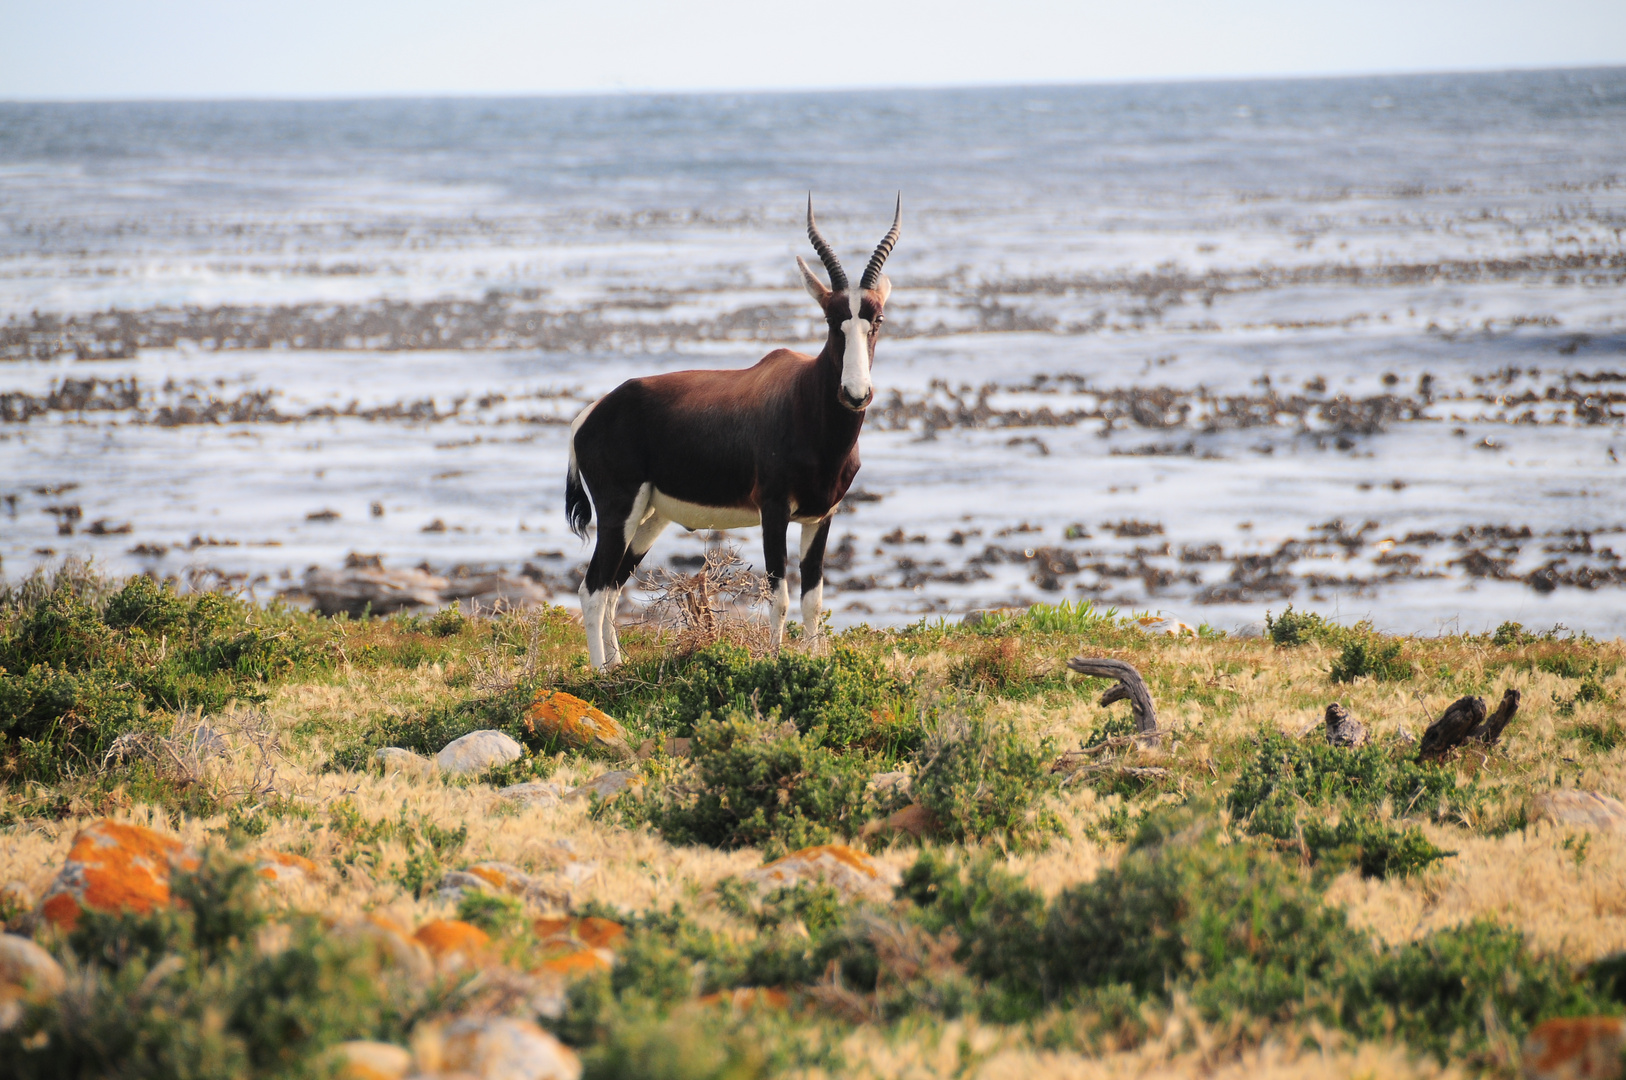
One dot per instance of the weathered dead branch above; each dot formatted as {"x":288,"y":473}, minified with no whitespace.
{"x":1129,"y":686}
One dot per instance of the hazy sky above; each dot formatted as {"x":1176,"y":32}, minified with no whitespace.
{"x":77,"y":49}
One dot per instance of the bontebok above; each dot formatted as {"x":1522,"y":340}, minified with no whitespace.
{"x":772,"y":444}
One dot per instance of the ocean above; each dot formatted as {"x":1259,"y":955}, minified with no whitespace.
{"x":1210,"y":349}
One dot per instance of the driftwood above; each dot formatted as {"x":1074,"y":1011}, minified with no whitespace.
{"x":1466,"y":719}
{"x":1130,"y":686}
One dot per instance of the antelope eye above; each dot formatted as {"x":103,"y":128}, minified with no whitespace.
{"x":878,"y":320}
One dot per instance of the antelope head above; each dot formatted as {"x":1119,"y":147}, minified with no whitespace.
{"x":854,"y":314}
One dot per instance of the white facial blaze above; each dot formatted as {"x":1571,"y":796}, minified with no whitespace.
{"x":855,"y":361}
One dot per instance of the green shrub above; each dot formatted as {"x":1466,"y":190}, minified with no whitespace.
{"x":1233,"y":925}
{"x":1440,"y":993}
{"x":1067,"y":617}
{"x":849,"y":696}
{"x":1287,"y":776}
{"x":981,"y":779}
{"x":1510,"y":634}
{"x":1381,"y":660}
{"x":187,"y":991}
{"x":754,"y":783}
{"x":1302,"y":627}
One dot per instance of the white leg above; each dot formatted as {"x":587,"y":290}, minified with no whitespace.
{"x":592,"y":623}
{"x":812,"y":606}
{"x":611,"y":647}
{"x":813,"y":599}
{"x":776,"y":617}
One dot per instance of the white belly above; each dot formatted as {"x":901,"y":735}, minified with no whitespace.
{"x":694,"y":516}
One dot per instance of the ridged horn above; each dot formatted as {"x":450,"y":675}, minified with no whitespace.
{"x":832,"y":265}
{"x":872,"y":272}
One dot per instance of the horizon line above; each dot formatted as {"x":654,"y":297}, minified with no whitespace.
{"x":753,"y":91}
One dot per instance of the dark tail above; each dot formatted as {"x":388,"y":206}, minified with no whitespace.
{"x":578,"y":507}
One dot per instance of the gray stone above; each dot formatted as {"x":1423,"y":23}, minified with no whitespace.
{"x":611,"y":783}
{"x":395,"y":759}
{"x":1588,"y":809}
{"x":532,"y":793}
{"x":478,"y":751}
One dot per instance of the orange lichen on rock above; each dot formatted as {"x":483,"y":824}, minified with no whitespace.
{"x":452,"y":942}
{"x":283,"y":867}
{"x":113,"y":866}
{"x":747,"y":998}
{"x":847,"y":870}
{"x":578,"y":946}
{"x":568,"y":717}
{"x":1584,"y":1048}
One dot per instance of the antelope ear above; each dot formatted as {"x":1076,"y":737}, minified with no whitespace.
{"x":815,"y":288}
{"x":883,"y":289}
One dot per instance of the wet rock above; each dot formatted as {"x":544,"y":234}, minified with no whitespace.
{"x":478,"y":751}
{"x":1578,"y":1048}
{"x":1588,"y":809}
{"x":453,"y":944}
{"x":532,"y":793}
{"x":850,"y":872}
{"x":356,"y":591}
{"x":111,"y":867}
{"x":27,"y":973}
{"x":607,"y":786}
{"x":576,"y":723}
{"x":489,"y":592}
{"x":499,"y":1048}
{"x":363,"y":1059}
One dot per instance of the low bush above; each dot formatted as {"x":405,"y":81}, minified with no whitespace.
{"x":982,"y":780}
{"x":1378,"y":659}
{"x":755,"y":783}
{"x":1302,"y":627}
{"x":1287,"y":776}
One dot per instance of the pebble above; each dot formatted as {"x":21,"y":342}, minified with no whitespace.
{"x":499,"y":1048}
{"x":532,"y":793}
{"x":577,"y":723}
{"x":1582,"y":1048}
{"x":363,"y":1059}
{"x":607,"y":786}
{"x":849,"y":871}
{"x":478,"y":751}
{"x":112,"y":866}
{"x":26,"y":971}
{"x":1589,"y":809}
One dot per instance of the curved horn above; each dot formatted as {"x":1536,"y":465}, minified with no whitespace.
{"x":838,"y":276}
{"x":872,"y":272}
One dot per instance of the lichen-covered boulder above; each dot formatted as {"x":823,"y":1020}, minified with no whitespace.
{"x":390,"y":942}
{"x":478,"y":751}
{"x":576,"y":723}
{"x":1573,"y":1048}
{"x":454,"y":944}
{"x":578,"y":946}
{"x":849,"y":871}
{"x":498,"y":1048}
{"x":27,"y":973}
{"x":113,"y":866}
{"x":748,"y":999}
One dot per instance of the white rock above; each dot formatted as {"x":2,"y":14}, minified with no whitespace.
{"x":363,"y":1059}
{"x":532,"y":793}
{"x":1255,"y":629}
{"x":891,"y":781}
{"x":1161,"y":625}
{"x":23,"y":963}
{"x":500,"y":1048}
{"x":478,"y":751}
{"x":611,"y":783}
{"x":1588,"y":809}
